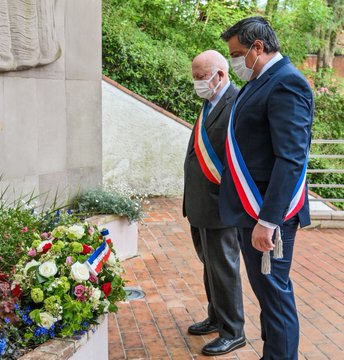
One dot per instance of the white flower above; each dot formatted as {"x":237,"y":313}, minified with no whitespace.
{"x":95,"y":298}
{"x":112,"y":259}
{"x":29,"y":265}
{"x":47,"y":320}
{"x":106,"y":304}
{"x":40,"y":246}
{"x":96,"y":294}
{"x":75,"y":232}
{"x":48,"y":269}
{"x":79,"y":272}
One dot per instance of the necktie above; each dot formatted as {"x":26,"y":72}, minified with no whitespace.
{"x":207,"y":107}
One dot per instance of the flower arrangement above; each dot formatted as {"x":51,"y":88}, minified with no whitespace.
{"x":63,"y":281}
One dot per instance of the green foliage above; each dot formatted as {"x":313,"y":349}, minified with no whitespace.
{"x":328,"y":124}
{"x":327,"y":178}
{"x":148,"y":46}
{"x":98,"y":201}
{"x":11,"y":341}
{"x":295,"y":24}
{"x":17,"y":227}
{"x":329,"y":107}
{"x":329,"y":115}
{"x":152,"y":68}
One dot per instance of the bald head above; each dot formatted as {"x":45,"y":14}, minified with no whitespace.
{"x":213,"y":66}
{"x":211,"y":59}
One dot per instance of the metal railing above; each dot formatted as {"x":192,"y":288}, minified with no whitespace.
{"x":326,"y":171}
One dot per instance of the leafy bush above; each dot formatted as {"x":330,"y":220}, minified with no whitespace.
{"x":17,"y":227}
{"x":327,"y":178}
{"x":148,"y":46}
{"x":328,"y":124}
{"x":329,"y":114}
{"x":151,"y":68}
{"x":19,"y":221}
{"x":98,"y":201}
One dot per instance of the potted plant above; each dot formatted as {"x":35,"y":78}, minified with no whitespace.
{"x":115,"y":211}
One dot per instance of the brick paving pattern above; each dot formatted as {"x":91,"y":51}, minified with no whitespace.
{"x":169,"y":272}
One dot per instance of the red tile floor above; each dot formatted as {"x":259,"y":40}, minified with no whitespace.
{"x":169,"y":272}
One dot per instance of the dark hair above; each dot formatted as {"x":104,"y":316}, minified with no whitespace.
{"x":251,"y":29}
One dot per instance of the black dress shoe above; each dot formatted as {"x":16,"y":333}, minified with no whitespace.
{"x":202,"y":328}
{"x":221,"y":346}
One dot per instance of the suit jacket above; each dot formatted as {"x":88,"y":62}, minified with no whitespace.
{"x":272,"y":125}
{"x":200,"y":203}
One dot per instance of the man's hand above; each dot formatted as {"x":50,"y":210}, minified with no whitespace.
{"x":262,"y":238}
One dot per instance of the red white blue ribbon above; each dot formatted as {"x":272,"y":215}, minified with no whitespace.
{"x":248,"y":192}
{"x":208,"y":160}
{"x":99,"y":257}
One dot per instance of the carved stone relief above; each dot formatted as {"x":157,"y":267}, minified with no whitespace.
{"x":27,"y":34}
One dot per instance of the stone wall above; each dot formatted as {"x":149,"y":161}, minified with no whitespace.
{"x":144,"y":146}
{"x":50,"y":116}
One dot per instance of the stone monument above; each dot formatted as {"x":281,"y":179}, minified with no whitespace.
{"x":27,"y":34}
{"x":50,"y":116}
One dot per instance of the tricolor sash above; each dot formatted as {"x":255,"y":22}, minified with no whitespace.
{"x":248,"y":192}
{"x":209,"y":162}
{"x":99,"y":257}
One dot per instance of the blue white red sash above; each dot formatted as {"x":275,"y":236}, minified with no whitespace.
{"x":248,"y":192}
{"x":99,"y":257}
{"x":209,"y":162}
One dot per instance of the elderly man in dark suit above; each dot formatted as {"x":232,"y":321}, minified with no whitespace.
{"x":216,"y":244}
{"x":263,"y":190}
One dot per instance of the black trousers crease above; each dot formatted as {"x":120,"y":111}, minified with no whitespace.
{"x":219,"y":251}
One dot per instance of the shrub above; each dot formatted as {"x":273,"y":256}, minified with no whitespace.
{"x":151,"y":68}
{"x":148,"y":47}
{"x":17,"y":227}
{"x":328,"y":124}
{"x":329,"y":114}
{"x":98,"y":201}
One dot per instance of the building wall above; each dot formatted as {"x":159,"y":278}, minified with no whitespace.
{"x":143,"y":147}
{"x":50,"y":117}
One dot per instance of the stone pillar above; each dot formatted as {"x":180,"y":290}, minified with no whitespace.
{"x":50,"y":116}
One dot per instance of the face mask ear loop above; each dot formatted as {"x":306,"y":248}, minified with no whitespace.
{"x":248,"y":51}
{"x":212,"y":76}
{"x":254,"y":64}
{"x":217,"y":86}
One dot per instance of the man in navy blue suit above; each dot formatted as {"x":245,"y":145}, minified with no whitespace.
{"x":263,"y":189}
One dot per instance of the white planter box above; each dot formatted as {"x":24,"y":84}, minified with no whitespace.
{"x":123,"y":234}
{"x":96,"y":344}
{"x":91,"y":346}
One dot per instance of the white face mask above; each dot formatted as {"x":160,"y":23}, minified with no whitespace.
{"x":239,"y":66}
{"x":202,"y":87}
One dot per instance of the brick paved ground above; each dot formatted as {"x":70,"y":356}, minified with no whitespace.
{"x":170,"y":273}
